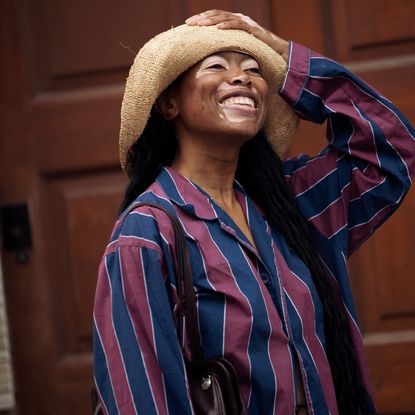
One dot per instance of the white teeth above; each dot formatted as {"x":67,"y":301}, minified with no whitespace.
{"x":239,"y":101}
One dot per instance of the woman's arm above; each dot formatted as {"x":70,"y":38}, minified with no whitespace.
{"x":361,"y":177}
{"x":138,"y":363}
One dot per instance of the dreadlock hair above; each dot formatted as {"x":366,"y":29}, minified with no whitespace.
{"x":156,"y":148}
{"x":260,"y":173}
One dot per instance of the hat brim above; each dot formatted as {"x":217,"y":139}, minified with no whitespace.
{"x":166,"y":56}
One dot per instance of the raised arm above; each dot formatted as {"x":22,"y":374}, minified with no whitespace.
{"x":361,"y":177}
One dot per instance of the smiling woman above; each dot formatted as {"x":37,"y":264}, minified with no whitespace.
{"x":221,"y":97}
{"x":208,"y":111}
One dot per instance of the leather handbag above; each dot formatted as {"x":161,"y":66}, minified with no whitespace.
{"x":213,"y":383}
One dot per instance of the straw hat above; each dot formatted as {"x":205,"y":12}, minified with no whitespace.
{"x":169,"y":54}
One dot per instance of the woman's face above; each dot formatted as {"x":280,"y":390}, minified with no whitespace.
{"x":223,"y":95}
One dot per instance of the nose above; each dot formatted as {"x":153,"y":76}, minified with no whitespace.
{"x":239,"y":77}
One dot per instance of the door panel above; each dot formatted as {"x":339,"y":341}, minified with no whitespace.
{"x":76,"y":207}
{"x":372,"y":29}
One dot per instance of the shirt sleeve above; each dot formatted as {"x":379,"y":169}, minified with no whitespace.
{"x":138,"y":363}
{"x":361,"y":177}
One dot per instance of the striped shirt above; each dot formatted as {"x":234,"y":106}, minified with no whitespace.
{"x":257,"y":306}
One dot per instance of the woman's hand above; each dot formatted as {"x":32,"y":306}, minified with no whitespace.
{"x":227,"y":20}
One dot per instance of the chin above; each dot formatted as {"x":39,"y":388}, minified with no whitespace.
{"x":234,"y":138}
{"x":243,"y":131}
{"x":237,"y":124}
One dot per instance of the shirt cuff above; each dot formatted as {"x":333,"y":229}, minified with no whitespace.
{"x":297,"y":73}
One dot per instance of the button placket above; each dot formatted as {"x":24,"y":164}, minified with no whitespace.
{"x":264,"y":274}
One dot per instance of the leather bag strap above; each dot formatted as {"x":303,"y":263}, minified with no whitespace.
{"x":184,"y":281}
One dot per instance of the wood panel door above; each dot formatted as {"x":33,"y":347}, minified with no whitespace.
{"x":63,"y":71}
{"x":62,"y":77}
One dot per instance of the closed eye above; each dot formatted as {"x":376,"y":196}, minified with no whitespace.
{"x":216,"y":66}
{"x":254,"y":70}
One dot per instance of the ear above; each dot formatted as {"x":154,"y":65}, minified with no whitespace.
{"x":166,"y":105}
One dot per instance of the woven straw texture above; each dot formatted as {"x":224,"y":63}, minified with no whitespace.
{"x":169,"y":54}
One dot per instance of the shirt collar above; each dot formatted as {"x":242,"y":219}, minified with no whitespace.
{"x":192,"y":198}
{"x":186,"y":194}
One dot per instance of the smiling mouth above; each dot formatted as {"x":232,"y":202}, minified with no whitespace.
{"x":238,"y":101}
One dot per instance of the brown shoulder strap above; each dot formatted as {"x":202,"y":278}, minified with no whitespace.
{"x":184,"y":281}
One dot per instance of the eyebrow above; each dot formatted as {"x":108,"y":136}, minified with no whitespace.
{"x":219,"y":55}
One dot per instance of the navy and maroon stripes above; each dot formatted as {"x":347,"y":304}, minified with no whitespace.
{"x":366,"y":170}
{"x":257,"y":306}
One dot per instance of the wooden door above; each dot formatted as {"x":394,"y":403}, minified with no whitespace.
{"x":62,"y":75}
{"x":375,"y":39}
{"x":63,"y":71}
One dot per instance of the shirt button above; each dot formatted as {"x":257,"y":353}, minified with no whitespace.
{"x":265,"y":277}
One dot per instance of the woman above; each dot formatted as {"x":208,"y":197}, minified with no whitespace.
{"x":268,"y":240}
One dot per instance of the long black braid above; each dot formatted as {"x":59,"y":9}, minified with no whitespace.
{"x":260,"y":173}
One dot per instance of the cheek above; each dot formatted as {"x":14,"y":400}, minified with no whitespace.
{"x":199,"y":101}
{"x":264,"y":91}
{"x":192,"y":109}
